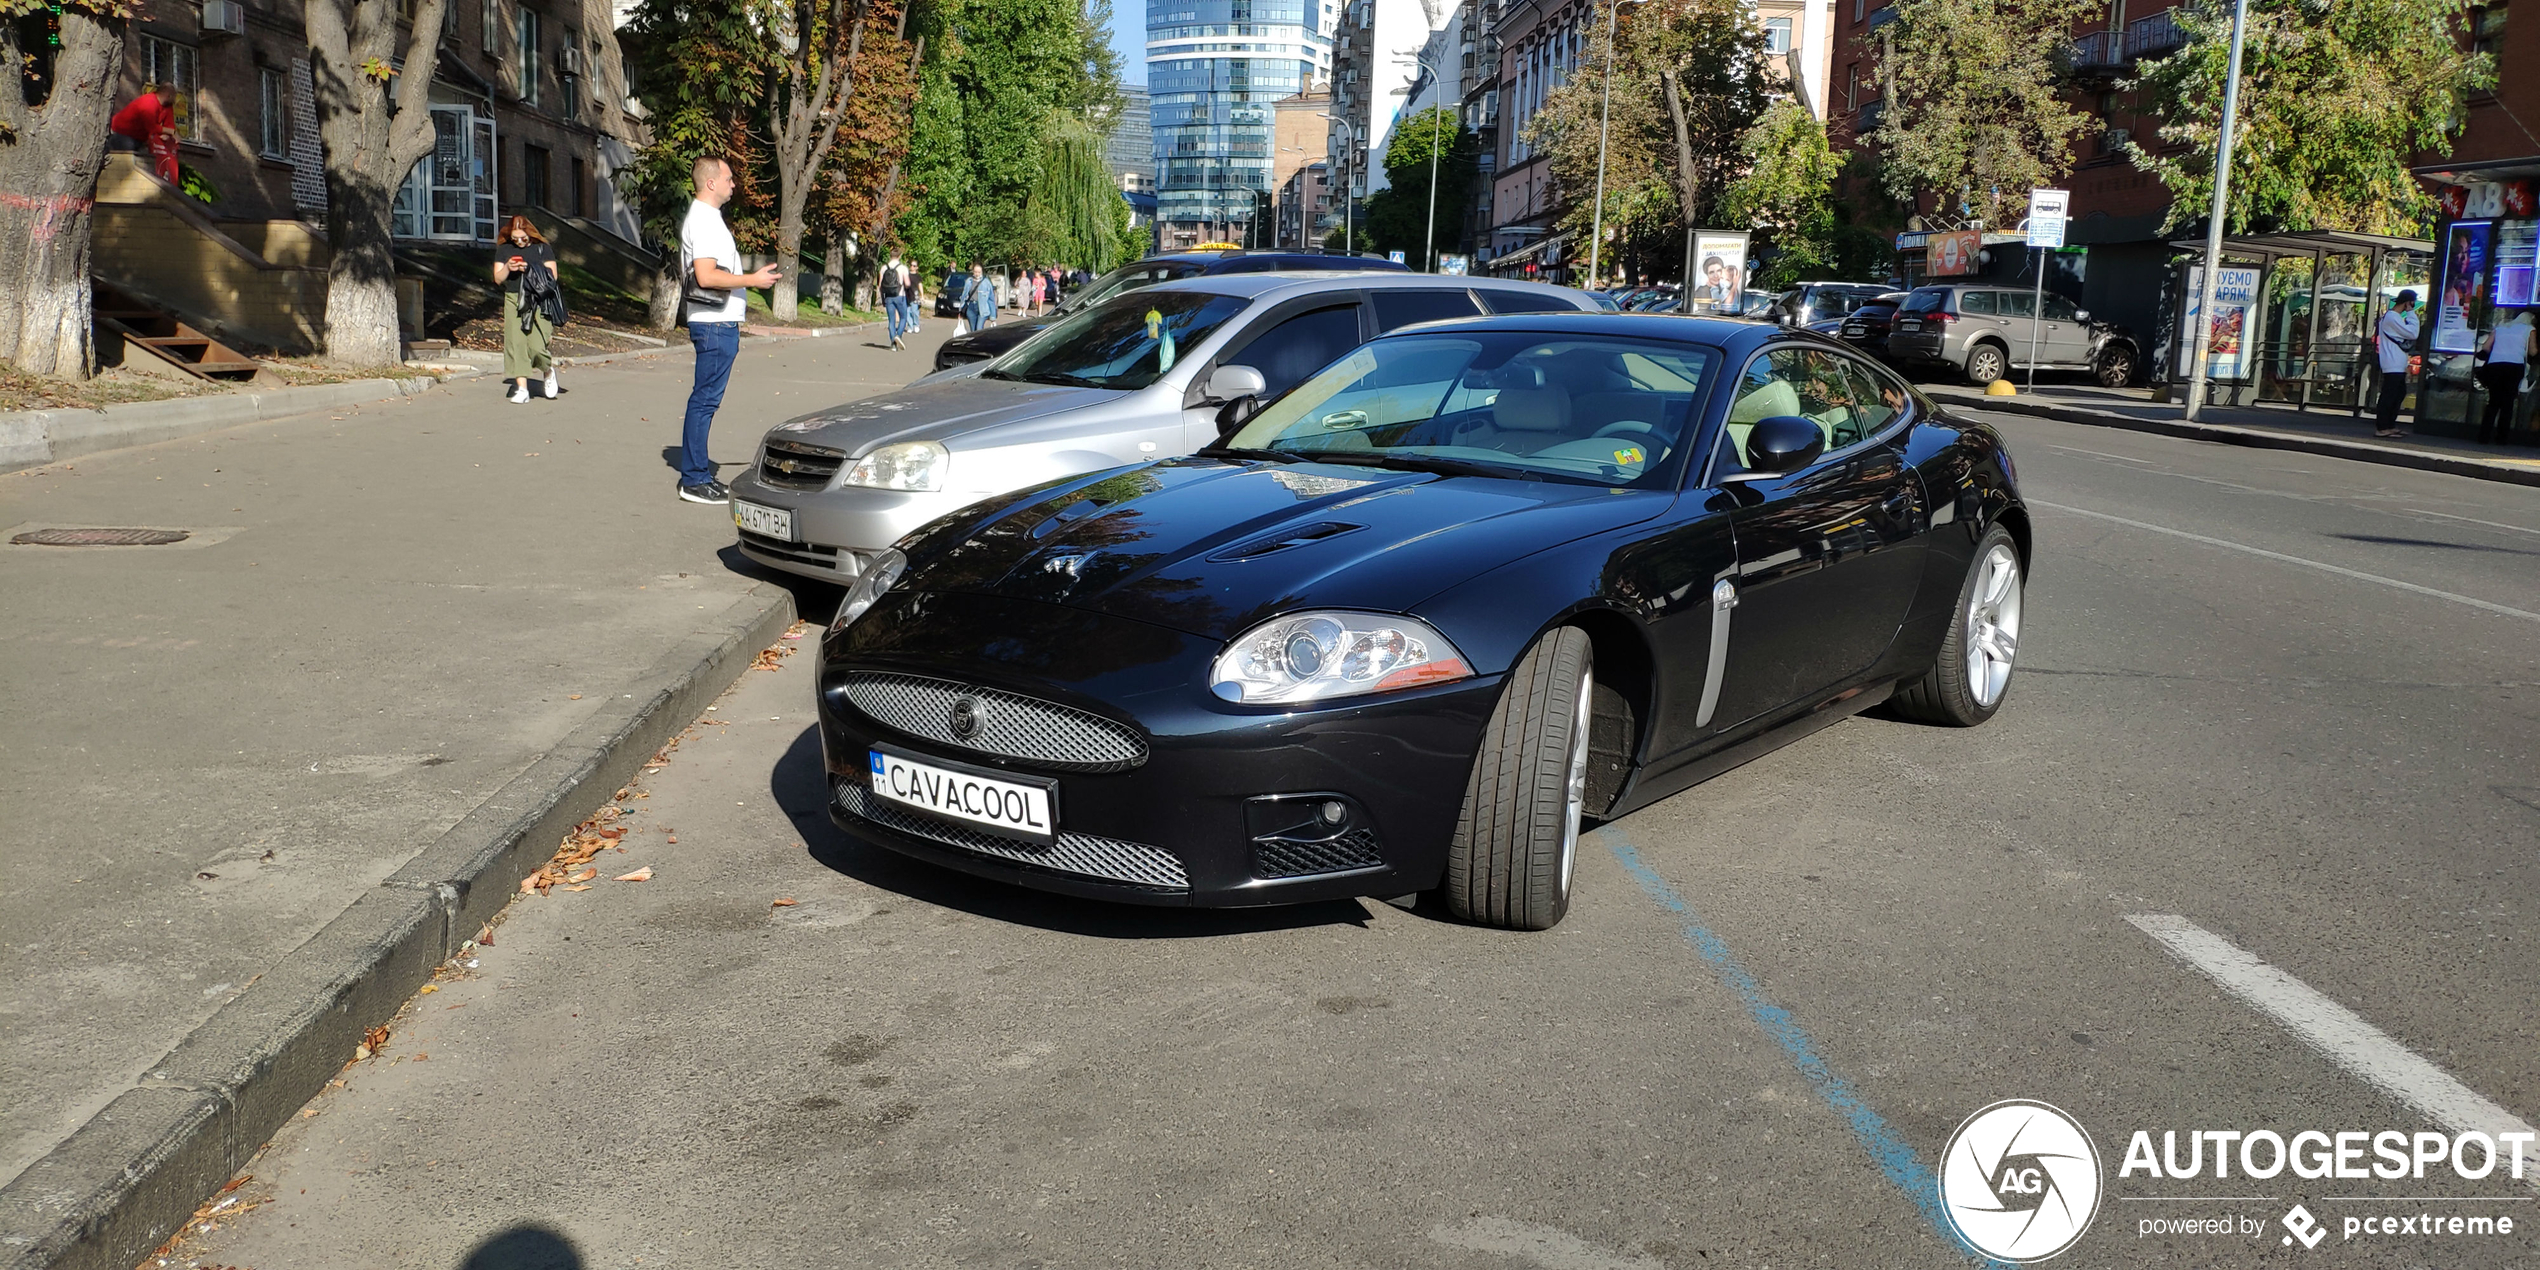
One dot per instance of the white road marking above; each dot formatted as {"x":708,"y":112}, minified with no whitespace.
{"x":2101,"y":454}
{"x":1548,"y":1246}
{"x":2473,"y":520}
{"x":2339,"y":570}
{"x":2339,"y":1034}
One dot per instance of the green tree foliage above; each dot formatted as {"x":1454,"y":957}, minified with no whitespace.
{"x":1786,"y":198}
{"x":1397,"y":217}
{"x":1033,"y":79}
{"x":2336,"y":97}
{"x":1709,"y":56}
{"x":1975,"y":112}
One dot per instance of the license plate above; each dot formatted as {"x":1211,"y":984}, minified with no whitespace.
{"x":1910,"y":324}
{"x":1856,"y":329}
{"x":766,"y":522}
{"x":1007,"y":806}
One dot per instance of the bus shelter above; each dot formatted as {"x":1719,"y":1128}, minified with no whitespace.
{"x":2293,"y":316}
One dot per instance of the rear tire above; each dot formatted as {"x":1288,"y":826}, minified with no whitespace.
{"x":1985,"y":363}
{"x":1966,"y":685}
{"x":1516,"y":844}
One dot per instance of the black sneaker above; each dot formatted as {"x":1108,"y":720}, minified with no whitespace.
{"x":710,"y":492}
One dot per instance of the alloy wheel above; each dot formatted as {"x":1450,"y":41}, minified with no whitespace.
{"x":1574,"y":794}
{"x":1992,"y":635}
{"x":1984,"y":365}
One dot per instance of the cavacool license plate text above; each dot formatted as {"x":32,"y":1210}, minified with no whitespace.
{"x":1001,"y":803}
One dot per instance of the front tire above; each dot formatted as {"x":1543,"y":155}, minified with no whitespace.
{"x":2115,"y":368}
{"x":1516,"y":845}
{"x":1966,"y":685}
{"x":1985,"y":364}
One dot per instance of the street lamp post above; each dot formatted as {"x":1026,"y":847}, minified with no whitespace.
{"x":1430,"y":251}
{"x":1349,"y":222}
{"x":1605,"y":114}
{"x":2220,"y":212}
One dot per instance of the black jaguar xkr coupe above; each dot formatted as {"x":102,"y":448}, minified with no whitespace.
{"x":1407,"y":626}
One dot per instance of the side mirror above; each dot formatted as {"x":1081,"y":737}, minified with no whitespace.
{"x":1230,"y":383}
{"x":2082,"y":314}
{"x":1784,"y":443}
{"x":1235,"y":414}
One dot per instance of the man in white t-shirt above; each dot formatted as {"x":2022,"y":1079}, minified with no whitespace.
{"x":712,"y":300}
{"x":2393,"y":338}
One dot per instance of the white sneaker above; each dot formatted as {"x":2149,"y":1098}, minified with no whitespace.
{"x":520,"y":391}
{"x":552,"y":390}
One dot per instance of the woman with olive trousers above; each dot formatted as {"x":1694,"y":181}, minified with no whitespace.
{"x":521,"y":250}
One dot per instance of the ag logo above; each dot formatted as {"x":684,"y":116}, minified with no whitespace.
{"x":2020,"y":1180}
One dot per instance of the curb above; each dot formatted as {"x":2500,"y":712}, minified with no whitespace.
{"x":118,"y":1187}
{"x":2256,"y":438}
{"x":33,"y":438}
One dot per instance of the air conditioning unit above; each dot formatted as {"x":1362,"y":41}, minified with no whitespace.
{"x":224,"y":17}
{"x":569,"y":60}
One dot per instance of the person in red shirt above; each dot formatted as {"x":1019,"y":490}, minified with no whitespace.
{"x":150,"y":121}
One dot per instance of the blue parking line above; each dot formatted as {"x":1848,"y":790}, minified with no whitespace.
{"x":1891,"y":1153}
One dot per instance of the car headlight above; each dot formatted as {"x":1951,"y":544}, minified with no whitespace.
{"x":875,"y":582}
{"x":1319,"y":656}
{"x":909,"y":465}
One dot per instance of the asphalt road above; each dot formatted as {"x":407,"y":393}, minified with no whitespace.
{"x":2271,"y":704}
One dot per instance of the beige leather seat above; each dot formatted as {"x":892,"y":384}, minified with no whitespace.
{"x":1773,"y":397}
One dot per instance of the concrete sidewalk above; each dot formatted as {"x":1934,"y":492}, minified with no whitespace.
{"x":2328,"y":435}
{"x":403,"y":640}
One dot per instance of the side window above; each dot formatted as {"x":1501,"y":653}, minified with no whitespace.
{"x":1769,"y":387}
{"x":1298,"y":346}
{"x":1402,"y":308}
{"x":1976,"y":302}
{"x":1846,"y":402}
{"x":1870,"y":402}
{"x":2061,"y":309}
{"x":1525,"y":302}
{"x":2017,"y":304}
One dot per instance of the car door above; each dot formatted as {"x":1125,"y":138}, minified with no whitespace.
{"x":2067,"y":336}
{"x":2017,"y":312}
{"x":1285,"y":344}
{"x":1827,"y":556}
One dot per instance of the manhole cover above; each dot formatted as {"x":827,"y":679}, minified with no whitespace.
{"x":99,"y":537}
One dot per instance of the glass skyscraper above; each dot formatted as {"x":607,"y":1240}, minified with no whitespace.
{"x":1213,"y":69}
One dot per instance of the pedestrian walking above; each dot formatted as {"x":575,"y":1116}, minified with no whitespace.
{"x":2505,"y":356}
{"x":895,"y":305}
{"x":533,"y":306}
{"x":1040,"y":290}
{"x":713,"y":301}
{"x":2392,"y":337}
{"x":980,"y":302}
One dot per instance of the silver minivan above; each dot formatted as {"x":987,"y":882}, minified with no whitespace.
{"x":1146,"y":375}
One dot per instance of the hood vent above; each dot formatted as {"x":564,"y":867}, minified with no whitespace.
{"x":1271,"y":544}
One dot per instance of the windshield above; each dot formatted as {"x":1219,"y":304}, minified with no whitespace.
{"x":1124,"y":344}
{"x":1127,"y":278}
{"x":1925,"y":300}
{"x":1597,"y":411}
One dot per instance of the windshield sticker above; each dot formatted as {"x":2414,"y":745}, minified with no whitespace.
{"x":1627,"y":455}
{"x":1305,"y":486}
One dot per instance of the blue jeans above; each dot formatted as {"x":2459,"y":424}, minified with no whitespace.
{"x":718,"y":343}
{"x":896,"y":308}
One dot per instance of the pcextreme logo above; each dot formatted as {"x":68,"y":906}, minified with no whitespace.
{"x":2020,"y":1180}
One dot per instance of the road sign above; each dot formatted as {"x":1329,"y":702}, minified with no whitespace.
{"x":1394,"y":256}
{"x":2046,"y":217}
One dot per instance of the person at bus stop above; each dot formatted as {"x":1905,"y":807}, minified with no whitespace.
{"x":2392,"y":338}
{"x":149,"y":122}
{"x":2505,"y":355}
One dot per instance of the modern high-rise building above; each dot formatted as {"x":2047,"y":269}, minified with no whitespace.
{"x":1129,"y":148}
{"x":1214,"y":68}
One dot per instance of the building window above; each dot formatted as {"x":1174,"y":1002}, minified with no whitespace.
{"x":2487,"y":30}
{"x":581,"y":178}
{"x":1859,"y":7}
{"x":273,"y":94}
{"x":533,"y":175}
{"x":1776,"y":35}
{"x":490,"y":25}
{"x":530,"y":43}
{"x":172,"y":67}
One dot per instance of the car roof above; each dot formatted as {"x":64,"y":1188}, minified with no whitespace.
{"x":1288,"y":261}
{"x":1285,"y":283}
{"x":1736,"y":335}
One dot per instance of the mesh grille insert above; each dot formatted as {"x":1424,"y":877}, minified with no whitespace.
{"x":1005,"y":724}
{"x":1080,"y":853}
{"x":1288,"y":858}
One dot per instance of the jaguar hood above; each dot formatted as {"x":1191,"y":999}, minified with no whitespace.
{"x":1209,"y":546}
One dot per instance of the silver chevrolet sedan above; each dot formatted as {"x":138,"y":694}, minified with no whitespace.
{"x":1146,"y":375}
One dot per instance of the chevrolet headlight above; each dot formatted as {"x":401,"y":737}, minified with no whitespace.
{"x":876,"y":581}
{"x":910,"y":465}
{"x":1319,"y":656}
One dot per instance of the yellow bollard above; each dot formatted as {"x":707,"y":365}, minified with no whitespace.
{"x":2000,"y":388}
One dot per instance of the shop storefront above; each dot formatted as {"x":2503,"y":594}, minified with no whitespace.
{"x":2489,"y":236}
{"x":2293,"y":316}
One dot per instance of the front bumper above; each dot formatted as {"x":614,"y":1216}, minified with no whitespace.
{"x":1225,"y":808}
{"x":837,"y":529}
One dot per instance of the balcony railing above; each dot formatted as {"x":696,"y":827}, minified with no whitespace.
{"x":2098,"y":51}
{"x":1865,"y":120}
{"x":2152,"y":36}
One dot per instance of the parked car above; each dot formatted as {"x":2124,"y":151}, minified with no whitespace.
{"x":1006,"y":332}
{"x":1808,"y":303}
{"x":1143,"y":375}
{"x":1986,"y":332}
{"x":951,"y":292}
{"x":1866,"y":328}
{"x":1417,"y":622}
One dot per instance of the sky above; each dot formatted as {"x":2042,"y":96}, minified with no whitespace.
{"x":1129,"y":36}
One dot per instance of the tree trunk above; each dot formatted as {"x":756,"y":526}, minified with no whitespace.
{"x":48,"y":191}
{"x":833,"y":278}
{"x":369,"y":150}
{"x":663,"y":314}
{"x":1688,"y":186}
{"x":784,"y":299}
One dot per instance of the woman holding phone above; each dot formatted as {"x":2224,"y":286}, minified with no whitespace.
{"x":521,"y":252}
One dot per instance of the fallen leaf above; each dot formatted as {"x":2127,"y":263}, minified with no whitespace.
{"x":485,"y":937}
{"x":674,"y":839}
{"x":784,"y":902}
{"x":644,"y":874}
{"x":423,"y":1058}
{"x":376,"y":1038}
{"x":305,"y":1114}
{"x":527,"y":885}
{"x":575,"y":697}
{"x":584,"y":876}
{"x":360,"y":1052}
{"x":431,"y":987}
{"x":578,"y":887}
